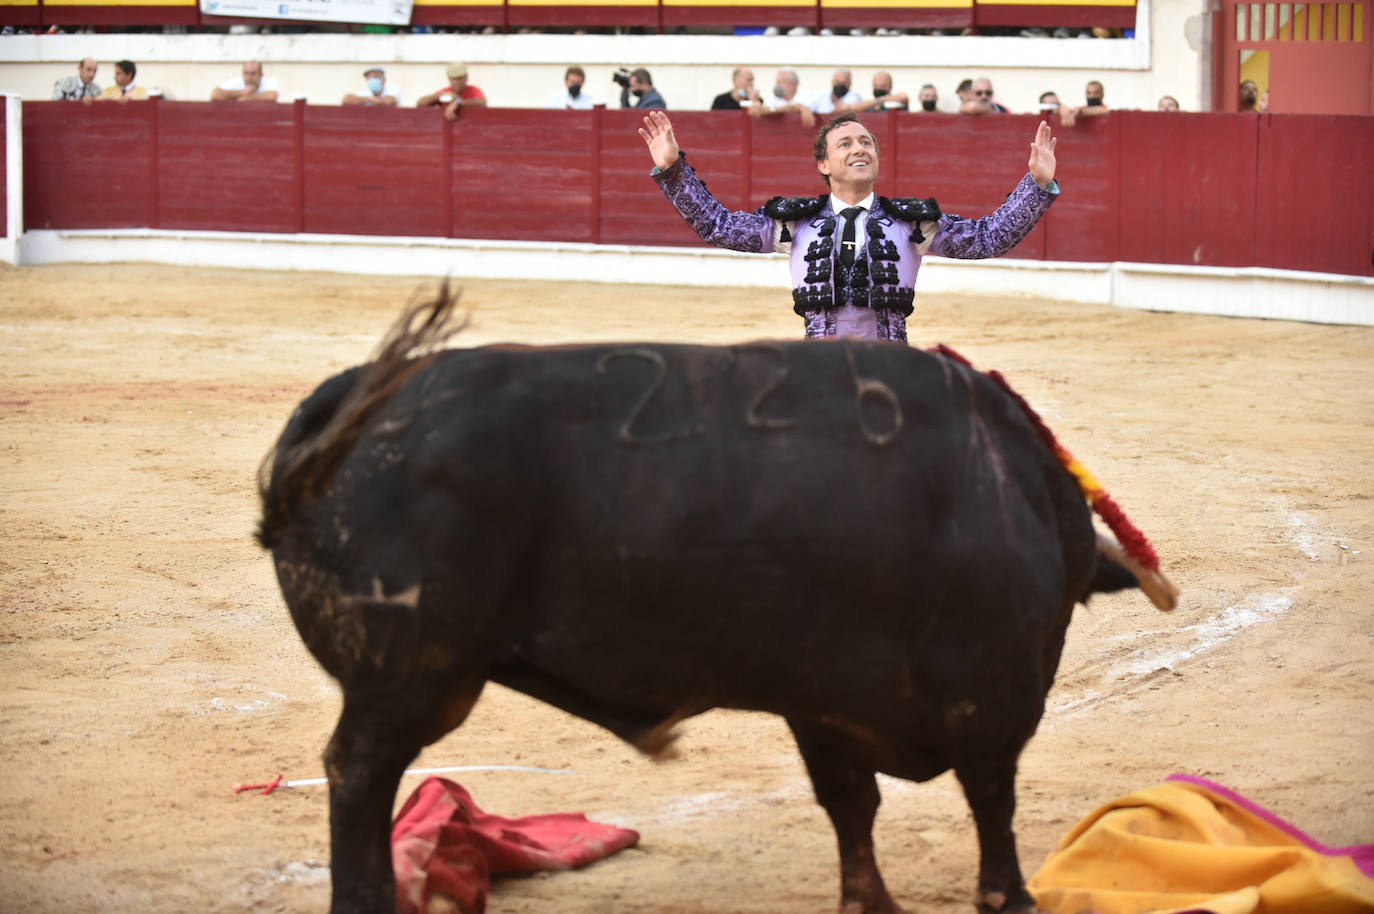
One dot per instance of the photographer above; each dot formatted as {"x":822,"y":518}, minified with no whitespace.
{"x":641,"y":86}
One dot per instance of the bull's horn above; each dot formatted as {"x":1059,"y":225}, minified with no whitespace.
{"x":1157,"y":587}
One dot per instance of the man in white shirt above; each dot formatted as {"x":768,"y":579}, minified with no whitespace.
{"x":252,"y":86}
{"x":788,"y":100}
{"x":376,"y":92}
{"x":572,"y":98}
{"x":841,"y":97}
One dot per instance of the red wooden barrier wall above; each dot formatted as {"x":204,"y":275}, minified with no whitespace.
{"x":1293,"y":192}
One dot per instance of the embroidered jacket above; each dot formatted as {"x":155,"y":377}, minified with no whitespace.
{"x":883,"y":275}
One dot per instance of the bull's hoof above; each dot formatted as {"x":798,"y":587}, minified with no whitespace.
{"x":996,"y":903}
{"x":885,"y":906}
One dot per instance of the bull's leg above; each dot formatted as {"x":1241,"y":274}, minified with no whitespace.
{"x":848,"y":792}
{"x":990,"y":787}
{"x":377,"y":736}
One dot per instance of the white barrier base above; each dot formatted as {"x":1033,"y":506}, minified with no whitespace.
{"x":1326,"y":298}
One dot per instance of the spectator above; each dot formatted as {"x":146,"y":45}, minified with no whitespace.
{"x":787,"y":100}
{"x":79,"y":88}
{"x":841,"y":97}
{"x":981,"y":100}
{"x":376,"y":92}
{"x":1168,"y":103}
{"x":1248,"y":97}
{"x":1050,"y":103}
{"x":883,"y":96}
{"x":124,"y":89}
{"x":929,"y":98}
{"x":252,"y":86}
{"x":641,"y":86}
{"x":1095,"y":106}
{"x":742,"y":93}
{"x":964,"y":91}
{"x":572,"y":98}
{"x":457,"y":95}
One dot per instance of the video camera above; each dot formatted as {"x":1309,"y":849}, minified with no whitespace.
{"x":622,"y":77}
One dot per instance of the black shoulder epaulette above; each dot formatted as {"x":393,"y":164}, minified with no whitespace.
{"x":913,"y":210}
{"x":790,"y":209}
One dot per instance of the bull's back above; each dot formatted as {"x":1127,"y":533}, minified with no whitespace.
{"x":613,"y":514}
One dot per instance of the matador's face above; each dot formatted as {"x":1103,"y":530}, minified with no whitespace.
{"x":851,"y":156}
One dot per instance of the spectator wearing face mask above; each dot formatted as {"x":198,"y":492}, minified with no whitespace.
{"x":376,"y":92}
{"x":1095,"y":105}
{"x":573,"y":98}
{"x":742,"y":93}
{"x":787,"y":98}
{"x":640,"y":85}
{"x":883,"y":96}
{"x":841,"y":97}
{"x":456,"y":96}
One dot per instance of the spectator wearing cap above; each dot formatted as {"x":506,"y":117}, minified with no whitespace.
{"x":376,"y":92}
{"x":79,"y":88}
{"x":456,"y":96}
{"x":124,"y":89}
{"x":252,"y":86}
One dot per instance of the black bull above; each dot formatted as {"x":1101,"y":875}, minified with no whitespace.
{"x":864,"y":538}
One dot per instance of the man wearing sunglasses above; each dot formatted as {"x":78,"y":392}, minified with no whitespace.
{"x":981,"y":100}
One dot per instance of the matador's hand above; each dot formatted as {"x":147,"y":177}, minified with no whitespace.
{"x":1042,"y":163}
{"x":658,"y":136}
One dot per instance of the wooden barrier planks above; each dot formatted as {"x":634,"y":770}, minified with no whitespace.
{"x":88,"y":166}
{"x":1291,"y":192}
{"x":227,"y":167}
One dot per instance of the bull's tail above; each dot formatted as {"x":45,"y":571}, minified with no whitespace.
{"x":326,"y":427}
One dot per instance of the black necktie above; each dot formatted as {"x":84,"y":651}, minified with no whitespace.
{"x":847,"y":244}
